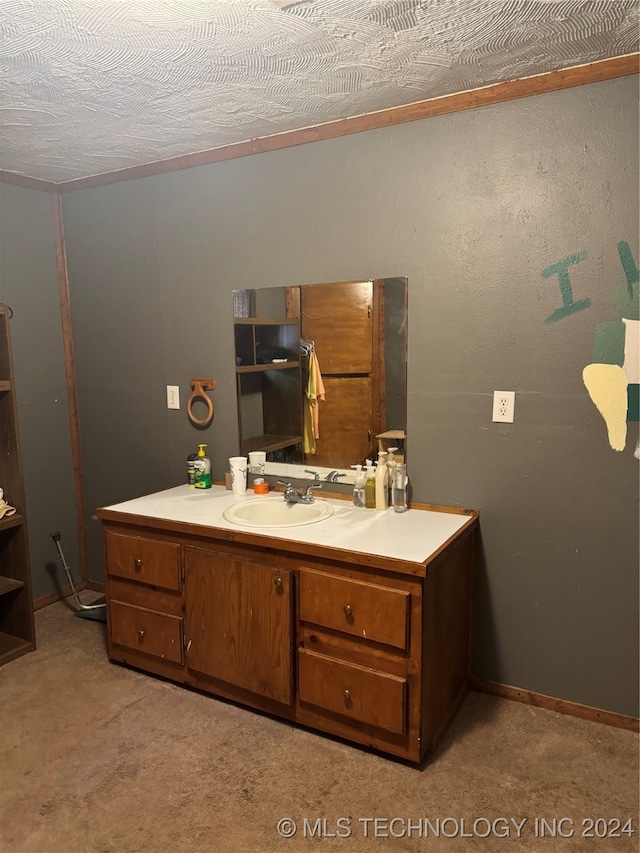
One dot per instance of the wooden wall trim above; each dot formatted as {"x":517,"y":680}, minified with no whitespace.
{"x":27,"y":182}
{"x":561,"y":706}
{"x":57,"y":595}
{"x":66,"y":592}
{"x":72,"y":392}
{"x":594,"y":72}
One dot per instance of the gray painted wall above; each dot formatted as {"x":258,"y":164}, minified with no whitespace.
{"x":29,"y":284}
{"x":471,"y":207}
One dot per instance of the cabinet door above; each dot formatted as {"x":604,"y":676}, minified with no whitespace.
{"x":239,"y":622}
{"x":338,"y":317}
{"x":345,"y":422}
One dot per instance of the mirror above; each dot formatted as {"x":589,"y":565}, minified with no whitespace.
{"x":321,"y":372}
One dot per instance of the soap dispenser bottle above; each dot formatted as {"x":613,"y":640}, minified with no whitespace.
{"x":202,"y":469}
{"x":382,"y":495}
{"x":370,"y":487}
{"x":358,"y":486}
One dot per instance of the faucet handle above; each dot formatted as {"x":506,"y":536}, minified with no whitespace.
{"x":288,"y":486}
{"x":310,"y":488}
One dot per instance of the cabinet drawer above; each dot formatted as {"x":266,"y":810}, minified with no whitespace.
{"x":353,"y":691}
{"x":364,"y":610}
{"x":156,"y":634}
{"x":148,"y":561}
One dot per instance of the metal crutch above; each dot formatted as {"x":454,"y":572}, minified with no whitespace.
{"x":98,"y":610}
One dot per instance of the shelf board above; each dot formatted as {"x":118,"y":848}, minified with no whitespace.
{"x":269,"y":443}
{"x":9,"y":584}
{"x":261,"y":368}
{"x":5,"y":385}
{"x":8,"y":521}
{"x":254,"y":321}
{"x":12,"y":647}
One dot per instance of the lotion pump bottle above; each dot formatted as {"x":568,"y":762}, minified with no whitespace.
{"x":202,"y":466}
{"x":358,"y":486}
{"x":382,"y":495}
{"x":370,"y":487}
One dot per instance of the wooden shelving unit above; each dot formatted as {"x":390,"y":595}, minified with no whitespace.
{"x":276,"y":383}
{"x":17,"y":631}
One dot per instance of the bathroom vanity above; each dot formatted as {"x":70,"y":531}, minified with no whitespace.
{"x":357,"y":625}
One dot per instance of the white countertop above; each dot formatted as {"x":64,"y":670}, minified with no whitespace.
{"x":414,"y":535}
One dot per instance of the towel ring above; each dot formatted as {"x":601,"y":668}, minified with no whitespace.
{"x":200,"y":386}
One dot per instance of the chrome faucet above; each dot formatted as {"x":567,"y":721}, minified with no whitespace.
{"x":332,"y":477}
{"x":292,"y":496}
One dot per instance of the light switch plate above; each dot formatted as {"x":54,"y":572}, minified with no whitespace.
{"x":504,"y":404}
{"x":173,"y":397}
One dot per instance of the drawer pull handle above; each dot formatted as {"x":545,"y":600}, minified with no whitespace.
{"x":347,"y":695}
{"x":140,"y":636}
{"x":277,"y":582}
{"x":348,"y":611}
{"x":138,"y":565}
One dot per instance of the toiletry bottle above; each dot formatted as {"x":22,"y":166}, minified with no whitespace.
{"x":203,"y":469}
{"x":399,"y":488}
{"x":191,"y":469}
{"x":391,"y":465}
{"x":382,"y":495}
{"x":370,"y":487}
{"x":358,"y":486}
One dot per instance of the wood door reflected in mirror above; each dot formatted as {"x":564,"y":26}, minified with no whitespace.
{"x":321,"y":371}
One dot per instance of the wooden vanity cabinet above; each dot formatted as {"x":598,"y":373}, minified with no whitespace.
{"x":374,"y":651}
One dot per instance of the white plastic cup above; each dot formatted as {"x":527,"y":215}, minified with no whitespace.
{"x":238,"y":468}
{"x":257,"y":461}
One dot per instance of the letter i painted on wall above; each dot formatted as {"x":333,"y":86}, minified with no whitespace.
{"x":569,"y":306}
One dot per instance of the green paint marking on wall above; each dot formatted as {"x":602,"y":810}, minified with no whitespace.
{"x":625,"y":305}
{"x":633,"y":402}
{"x":629,"y":265}
{"x":569,"y":306}
{"x":608,"y":347}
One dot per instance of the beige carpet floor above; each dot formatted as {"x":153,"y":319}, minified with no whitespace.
{"x":97,"y":758}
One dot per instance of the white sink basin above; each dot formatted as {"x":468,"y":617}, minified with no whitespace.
{"x":274,"y":512}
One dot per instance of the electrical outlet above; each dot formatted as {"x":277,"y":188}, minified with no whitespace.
{"x":504,"y":404}
{"x":173,"y":397}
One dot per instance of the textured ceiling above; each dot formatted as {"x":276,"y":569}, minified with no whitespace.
{"x":91,"y":86}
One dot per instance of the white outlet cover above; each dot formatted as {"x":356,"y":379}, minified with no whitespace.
{"x":504,"y":404}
